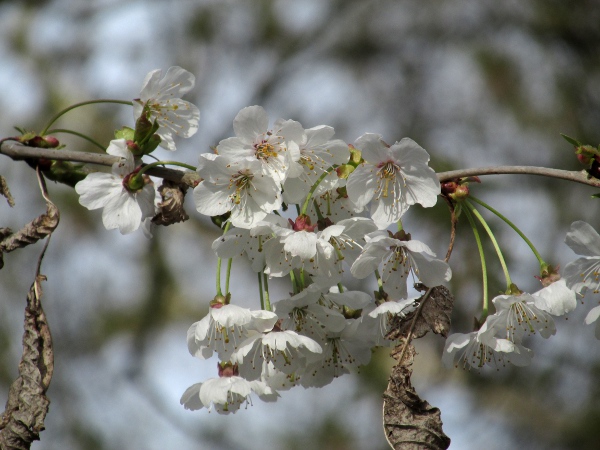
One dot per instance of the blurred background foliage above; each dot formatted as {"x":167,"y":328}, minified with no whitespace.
{"x":475,"y":82}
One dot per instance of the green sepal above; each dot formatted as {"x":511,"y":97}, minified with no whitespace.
{"x":144,"y":129}
{"x":65,"y":172}
{"x":150,"y":145}
{"x":570,"y":140}
{"x":126,"y":133}
{"x":221,"y":220}
{"x":135,"y":182}
{"x":596,"y":195}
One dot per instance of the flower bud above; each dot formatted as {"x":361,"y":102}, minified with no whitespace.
{"x":227,"y":369}
{"x":458,"y":189}
{"x":344,"y":170}
{"x":549,"y":274}
{"x":220,"y":301}
{"x":51,"y":141}
{"x":586,"y":154}
{"x":133,"y":148}
{"x":133,"y":181}
{"x":302,"y":223}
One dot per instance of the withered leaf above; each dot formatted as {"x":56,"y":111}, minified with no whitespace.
{"x":433,"y":315}
{"x":409,"y":422}
{"x":5,"y":192}
{"x":27,"y":405}
{"x":171,"y":207}
{"x":37,"y":229}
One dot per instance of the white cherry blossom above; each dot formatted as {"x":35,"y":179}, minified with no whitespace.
{"x":238,"y":241}
{"x":160,"y":98}
{"x":318,"y":152}
{"x":238,"y":187}
{"x":287,"y":350}
{"x":122,"y":208}
{"x":225,"y":393}
{"x":399,"y":259}
{"x":583,"y":274}
{"x":276,"y":150}
{"x":392,"y":178}
{"x":344,"y":351}
{"x":480,"y":348}
{"x":304,"y":314}
{"x":224,"y":328}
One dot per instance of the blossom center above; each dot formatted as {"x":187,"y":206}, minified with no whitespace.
{"x":241,"y":181}
{"x":265,"y":150}
{"x":386,"y":174}
{"x":307,"y":162}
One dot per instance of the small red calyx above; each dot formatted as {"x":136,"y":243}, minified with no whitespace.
{"x":227,"y":369}
{"x":549,"y":274}
{"x":302,"y":223}
{"x":35,"y":140}
{"x":458,"y":188}
{"x":401,"y":235}
{"x":220,"y":300}
{"x":133,"y":148}
{"x":133,"y":182}
{"x":586,"y":154}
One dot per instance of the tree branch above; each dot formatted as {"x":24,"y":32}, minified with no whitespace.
{"x":570,"y":175}
{"x":18,"y":151}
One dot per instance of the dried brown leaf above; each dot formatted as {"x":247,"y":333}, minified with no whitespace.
{"x":5,"y":192}
{"x":27,"y":404}
{"x":433,"y":314}
{"x":409,"y":422}
{"x":37,"y":229}
{"x":171,"y":207}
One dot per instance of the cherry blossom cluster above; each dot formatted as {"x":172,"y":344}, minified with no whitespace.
{"x":344,"y":198}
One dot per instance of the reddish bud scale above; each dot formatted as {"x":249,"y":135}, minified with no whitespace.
{"x":302,"y":223}
{"x":226,"y":369}
{"x":132,"y":181}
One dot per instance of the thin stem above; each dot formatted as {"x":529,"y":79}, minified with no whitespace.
{"x":81,"y":135}
{"x":267,"y":305}
{"x":302,"y":280}
{"x":379,"y":282}
{"x":513,"y":226}
{"x":77,"y":105}
{"x":484,"y":273}
{"x":218,"y":282}
{"x":453,"y":225}
{"x":164,"y":163}
{"x":314,"y":188}
{"x":228,"y":275}
{"x":260,"y":288}
{"x":295,"y":288}
{"x":494,"y":242}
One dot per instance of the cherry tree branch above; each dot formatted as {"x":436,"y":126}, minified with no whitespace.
{"x":570,"y":175}
{"x":18,"y":151}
